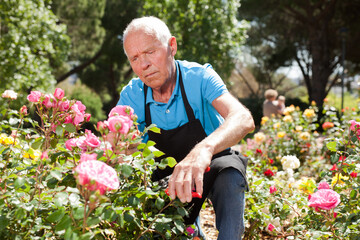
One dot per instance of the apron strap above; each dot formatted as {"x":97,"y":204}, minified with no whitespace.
{"x":188,"y":108}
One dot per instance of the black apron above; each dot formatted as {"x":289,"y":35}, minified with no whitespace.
{"x":179,"y":141}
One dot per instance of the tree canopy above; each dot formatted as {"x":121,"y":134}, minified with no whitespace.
{"x":32,"y":43}
{"x":309,"y":32}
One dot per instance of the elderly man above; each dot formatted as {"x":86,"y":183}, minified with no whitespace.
{"x":199,"y":121}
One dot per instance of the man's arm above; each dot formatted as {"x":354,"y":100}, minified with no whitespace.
{"x":238,"y":122}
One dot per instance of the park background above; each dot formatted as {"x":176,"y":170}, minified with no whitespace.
{"x":307,"y":50}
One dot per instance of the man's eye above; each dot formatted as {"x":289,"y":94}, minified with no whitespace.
{"x":134,"y":59}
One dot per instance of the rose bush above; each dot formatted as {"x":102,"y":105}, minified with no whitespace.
{"x":303,"y":176}
{"x":58,"y":181}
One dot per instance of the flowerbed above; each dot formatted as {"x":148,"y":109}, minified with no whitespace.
{"x":304,"y":183}
{"x":58,"y":181}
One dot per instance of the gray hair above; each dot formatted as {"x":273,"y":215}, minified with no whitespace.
{"x":150,"y":25}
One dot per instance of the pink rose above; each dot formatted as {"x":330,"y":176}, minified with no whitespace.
{"x":59,"y":93}
{"x":86,"y":157}
{"x":190,"y":230}
{"x":23,"y":110}
{"x":64,"y":105}
{"x":120,"y":124}
{"x":354,"y":125}
{"x":80,"y":106}
{"x":103,"y":175}
{"x":68,"y":119}
{"x":87,"y":117}
{"x":79,"y":114}
{"x":270,"y":227}
{"x":121,"y":110}
{"x":91,"y":140}
{"x":273,"y":189}
{"x":325,"y":199}
{"x":69,"y":144}
{"x":323,"y":185}
{"x":48,"y":101}
{"x":34,"y":96}
{"x":44,"y":155}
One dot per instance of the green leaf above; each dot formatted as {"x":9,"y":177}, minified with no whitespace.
{"x":19,"y":182}
{"x":64,"y":223}
{"x":56,"y":216}
{"x":331,"y":146}
{"x":171,"y":161}
{"x":56,"y":174}
{"x":155,"y":129}
{"x":61,"y":199}
{"x":93,"y":221}
{"x":3,"y":222}
{"x":353,"y":194}
{"x":134,"y":201}
{"x":126,"y":170}
{"x":159,"y":203}
{"x":37,"y":143}
{"x":59,"y":130}
{"x":70,"y":127}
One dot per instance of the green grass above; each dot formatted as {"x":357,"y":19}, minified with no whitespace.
{"x":349,"y":100}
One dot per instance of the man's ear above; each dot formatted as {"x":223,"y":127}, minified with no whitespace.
{"x":173,"y":45}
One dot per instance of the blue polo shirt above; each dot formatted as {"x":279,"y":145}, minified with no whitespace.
{"x":202,"y":85}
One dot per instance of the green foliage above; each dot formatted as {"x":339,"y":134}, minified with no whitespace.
{"x":206,"y":31}
{"x":32,"y":42}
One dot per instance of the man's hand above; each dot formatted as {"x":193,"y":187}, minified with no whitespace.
{"x":189,"y":173}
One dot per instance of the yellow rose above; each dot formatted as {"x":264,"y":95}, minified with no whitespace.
{"x":309,"y":113}
{"x":307,"y":185}
{"x":289,"y":109}
{"x":259,"y":137}
{"x":264,"y":120}
{"x":304,"y":136}
{"x":281,"y":134}
{"x":287,"y":118}
{"x":339,"y":179}
{"x":276,"y":125}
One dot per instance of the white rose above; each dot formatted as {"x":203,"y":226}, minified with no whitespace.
{"x":9,"y":94}
{"x":291,"y":162}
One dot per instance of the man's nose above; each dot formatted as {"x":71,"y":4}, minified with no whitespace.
{"x":145,"y":63}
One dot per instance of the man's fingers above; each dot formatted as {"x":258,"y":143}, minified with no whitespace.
{"x":199,"y":184}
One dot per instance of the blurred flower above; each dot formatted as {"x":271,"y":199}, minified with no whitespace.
{"x":23,"y":110}
{"x":91,"y":140}
{"x":309,"y":113}
{"x":48,"y":101}
{"x":281,"y":134}
{"x":313,"y":103}
{"x":276,"y":125}
{"x":307,"y":185}
{"x":121,"y":110}
{"x":9,"y":94}
{"x":59,"y":93}
{"x":323,"y":185}
{"x":327,"y":125}
{"x":64,"y":105}
{"x":121,"y":124}
{"x":287,"y":118}
{"x":270,"y":227}
{"x":298,"y":128}
{"x":271,"y":161}
{"x":33,"y":154}
{"x":259,"y":137}
{"x":334,"y":168}
{"x":258,"y":150}
{"x":353,"y":174}
{"x":87,"y":156}
{"x":335,"y":214}
{"x":325,"y":199}
{"x":6,"y":140}
{"x":289,"y":109}
{"x":190,"y":230}
{"x":34,"y":96}
{"x":290,"y":161}
{"x":338,"y":178}
{"x":264,"y":120}
{"x":342,"y":158}
{"x":304,"y":136}
{"x":96,"y":175}
{"x":272,"y":189}
{"x":269,"y":173}
{"x":326,"y":100}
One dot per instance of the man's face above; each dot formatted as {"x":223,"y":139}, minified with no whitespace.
{"x":152,"y":61}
